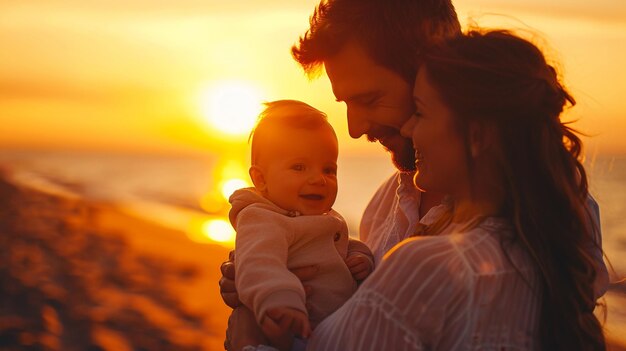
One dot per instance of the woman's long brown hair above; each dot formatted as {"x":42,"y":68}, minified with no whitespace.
{"x":498,"y":79}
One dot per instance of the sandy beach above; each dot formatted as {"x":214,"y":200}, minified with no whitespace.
{"x":80,"y":275}
{"x":86,"y":276}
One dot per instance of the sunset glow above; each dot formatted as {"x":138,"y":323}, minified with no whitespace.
{"x":230,"y":185}
{"x":201,"y":70}
{"x":219,"y":230}
{"x":124,"y":130}
{"x":229,"y":175}
{"x":231,"y":107}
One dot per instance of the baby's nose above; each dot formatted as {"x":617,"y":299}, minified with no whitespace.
{"x":317,"y":178}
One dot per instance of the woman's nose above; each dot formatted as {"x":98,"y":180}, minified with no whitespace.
{"x":407,"y":128}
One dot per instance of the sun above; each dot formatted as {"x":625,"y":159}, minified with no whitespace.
{"x":231,"y":107}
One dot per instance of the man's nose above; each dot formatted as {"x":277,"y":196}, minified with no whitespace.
{"x":357,"y":122}
{"x":407,"y":128}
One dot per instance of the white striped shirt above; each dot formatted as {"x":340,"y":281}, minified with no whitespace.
{"x":499,"y":310}
{"x":455,"y":291}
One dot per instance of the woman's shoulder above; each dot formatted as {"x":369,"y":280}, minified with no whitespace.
{"x":431,"y":262}
{"x":440,"y":247}
{"x":468,"y":251}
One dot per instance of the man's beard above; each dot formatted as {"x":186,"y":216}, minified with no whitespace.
{"x":404,"y":159}
{"x":402,"y":155}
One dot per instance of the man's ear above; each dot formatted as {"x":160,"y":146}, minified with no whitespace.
{"x":481,"y":138}
{"x":258,"y":178}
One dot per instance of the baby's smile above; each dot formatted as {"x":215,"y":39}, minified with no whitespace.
{"x":315,"y":197}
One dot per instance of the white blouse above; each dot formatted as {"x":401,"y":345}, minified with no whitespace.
{"x":454,"y":291}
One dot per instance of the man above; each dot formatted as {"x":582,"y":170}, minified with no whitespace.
{"x":369,"y":50}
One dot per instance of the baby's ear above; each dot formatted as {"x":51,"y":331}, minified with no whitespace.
{"x":258,"y":178}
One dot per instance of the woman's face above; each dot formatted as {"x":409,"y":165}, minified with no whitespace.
{"x":439,"y":147}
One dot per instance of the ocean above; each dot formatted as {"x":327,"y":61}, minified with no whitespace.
{"x":175,"y":189}
{"x":181,"y":192}
{"x":166,"y":188}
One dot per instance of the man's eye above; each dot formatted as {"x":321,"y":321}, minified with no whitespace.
{"x":298,"y":167}
{"x":369,"y":102}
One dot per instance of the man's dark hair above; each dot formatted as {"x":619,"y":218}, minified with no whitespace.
{"x":392,"y":32}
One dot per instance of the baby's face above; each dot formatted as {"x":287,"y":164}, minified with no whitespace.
{"x":300,"y":171}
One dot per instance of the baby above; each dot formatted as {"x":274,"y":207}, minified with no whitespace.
{"x":287,"y":221}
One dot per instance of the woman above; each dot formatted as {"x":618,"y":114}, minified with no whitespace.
{"x":506,"y":265}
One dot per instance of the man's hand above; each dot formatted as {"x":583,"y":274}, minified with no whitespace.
{"x":243,"y":330}
{"x":227,"y":281}
{"x":281,"y":323}
{"x":360,"y":266}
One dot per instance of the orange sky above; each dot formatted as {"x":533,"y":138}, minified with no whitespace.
{"x":125,"y":75}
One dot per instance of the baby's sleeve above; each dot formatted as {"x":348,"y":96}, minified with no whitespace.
{"x":262,"y":278}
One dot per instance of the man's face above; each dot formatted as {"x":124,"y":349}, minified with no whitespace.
{"x":378,"y":101}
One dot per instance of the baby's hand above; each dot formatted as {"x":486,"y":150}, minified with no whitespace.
{"x":360,"y":266}
{"x":281,"y":322}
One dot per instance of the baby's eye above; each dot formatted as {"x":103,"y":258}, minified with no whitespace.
{"x":330,"y":170}
{"x":417,"y":114}
{"x":298,"y":167}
